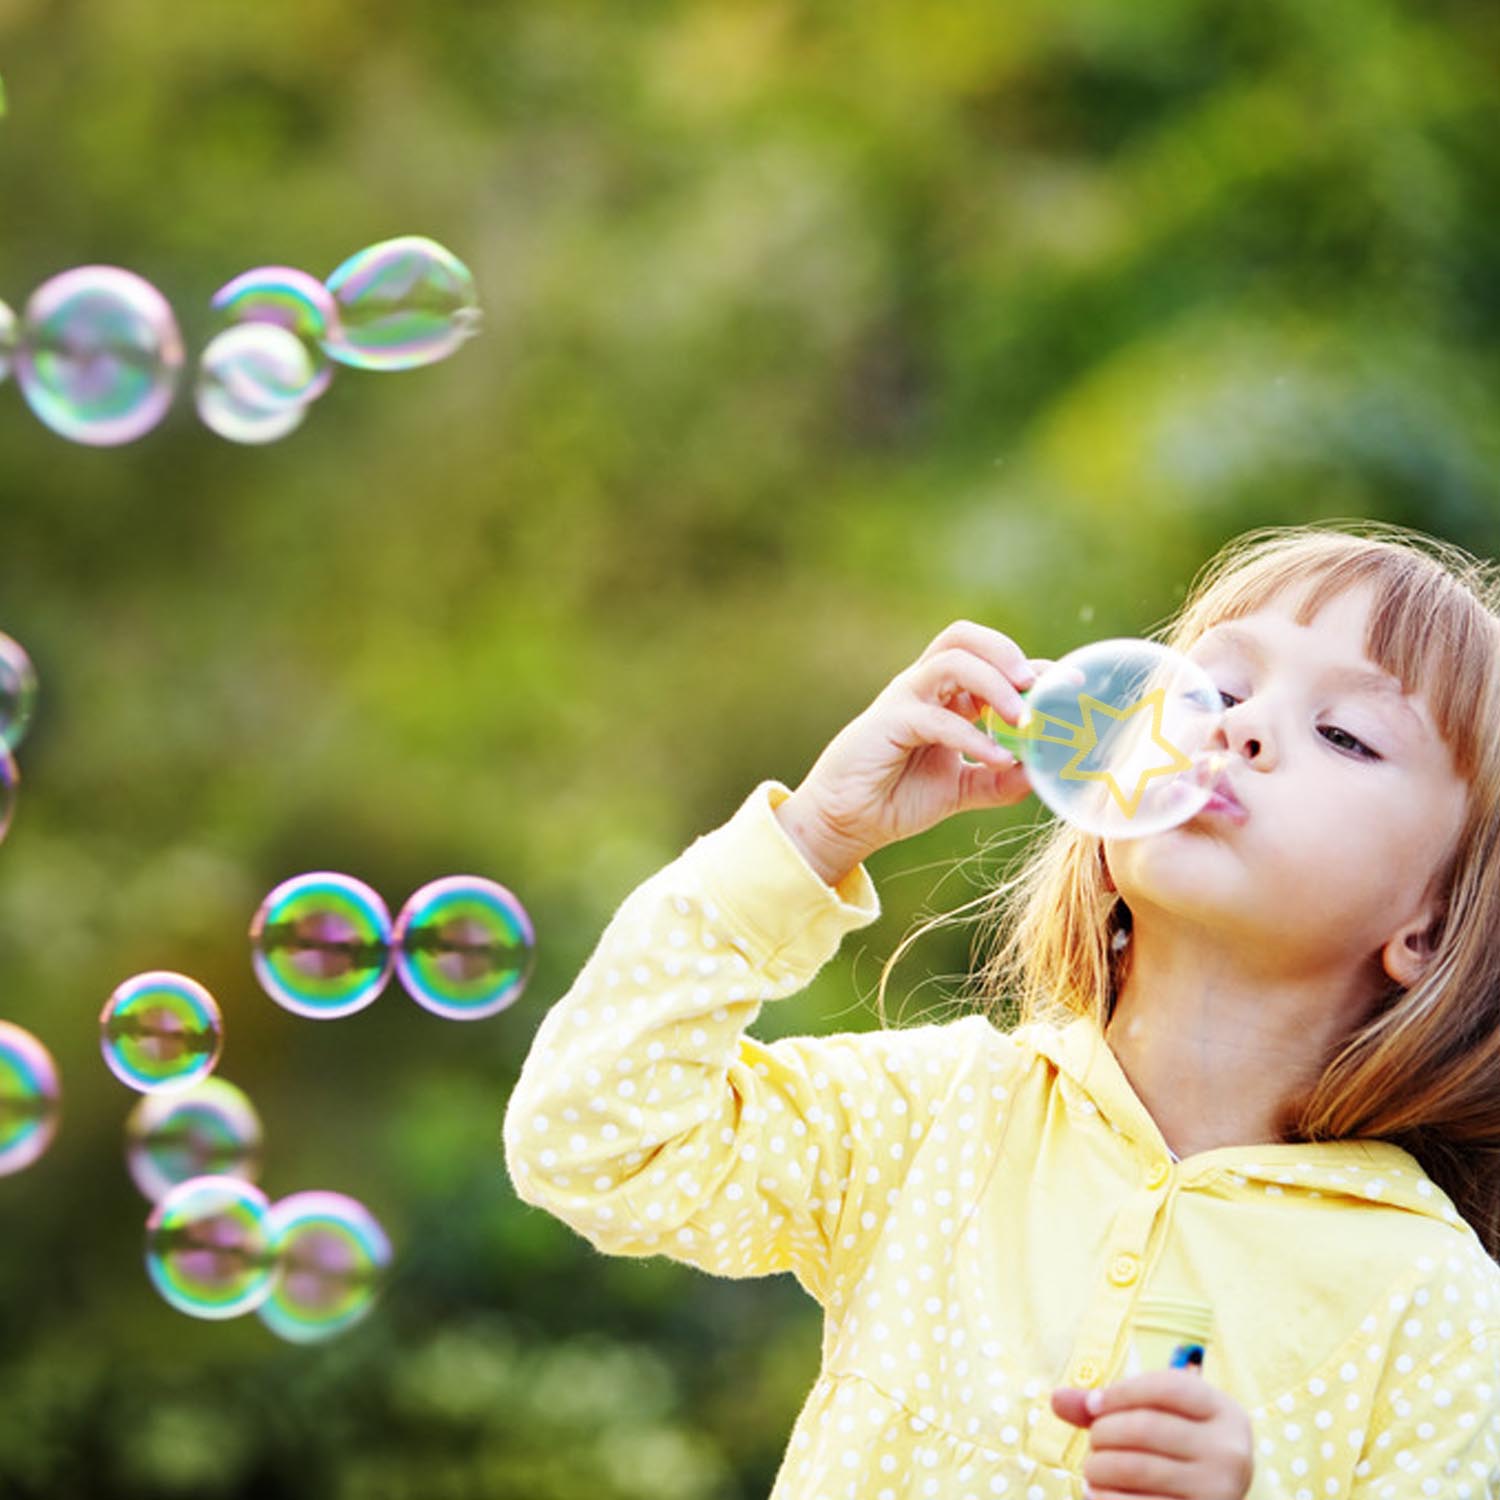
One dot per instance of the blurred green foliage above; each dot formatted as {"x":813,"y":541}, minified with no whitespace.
{"x":808,"y":329}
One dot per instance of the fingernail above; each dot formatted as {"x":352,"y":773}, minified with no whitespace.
{"x":1093,"y":1401}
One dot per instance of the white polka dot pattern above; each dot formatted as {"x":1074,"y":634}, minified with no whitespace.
{"x":980,"y":1213}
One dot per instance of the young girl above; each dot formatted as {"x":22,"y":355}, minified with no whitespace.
{"x":1257,"y":1071}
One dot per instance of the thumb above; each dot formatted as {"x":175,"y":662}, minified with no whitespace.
{"x":1069,"y":1404}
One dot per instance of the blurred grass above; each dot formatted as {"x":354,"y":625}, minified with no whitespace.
{"x":807,"y":330}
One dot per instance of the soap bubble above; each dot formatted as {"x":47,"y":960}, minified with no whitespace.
{"x":99,"y":355}
{"x":290,"y":299}
{"x":10,"y":780}
{"x":331,"y":1261}
{"x":1115,"y":737}
{"x":403,"y":303}
{"x":208,"y":1129}
{"x":207,"y":1249}
{"x":464,"y":947}
{"x":7,"y":339}
{"x":161,"y":1031}
{"x":30,"y":1098}
{"x":253,"y":383}
{"x":322,"y":944}
{"x":17,"y":692}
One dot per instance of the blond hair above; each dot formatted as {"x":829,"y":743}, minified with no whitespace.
{"x":1422,"y":1070}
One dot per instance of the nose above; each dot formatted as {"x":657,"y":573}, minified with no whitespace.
{"x":1242,"y":729}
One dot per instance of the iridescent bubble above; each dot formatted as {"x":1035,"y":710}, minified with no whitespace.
{"x":403,"y":303}
{"x":321,"y":944}
{"x":290,"y":299}
{"x":17,"y":692}
{"x":99,"y":355}
{"x":208,"y":1129}
{"x":464,"y":947}
{"x":161,"y":1031}
{"x":30,"y":1098}
{"x":252,"y":383}
{"x":207,"y":1249}
{"x":10,"y":781}
{"x":7,"y":339}
{"x":332,"y":1257}
{"x":1115,"y":737}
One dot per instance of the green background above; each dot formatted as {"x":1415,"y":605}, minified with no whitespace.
{"x":809,"y":328}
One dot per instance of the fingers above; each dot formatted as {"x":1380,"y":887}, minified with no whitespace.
{"x":1185,"y":1392}
{"x":964,"y":683}
{"x":931,"y":725}
{"x":989,"y":645}
{"x":1145,"y":1429}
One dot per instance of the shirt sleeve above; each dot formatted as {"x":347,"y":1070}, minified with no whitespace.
{"x":645,"y":1118}
{"x":1436,"y":1426}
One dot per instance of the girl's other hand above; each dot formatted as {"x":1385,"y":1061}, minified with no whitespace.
{"x":1167,"y":1433}
{"x":915,"y":756}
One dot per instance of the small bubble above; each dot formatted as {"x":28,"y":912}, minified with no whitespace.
{"x":161,"y":1031}
{"x":99,"y":355}
{"x":321,"y":944}
{"x":208,"y":1129}
{"x":331,"y":1257}
{"x":30,"y":1098}
{"x":464,"y":947}
{"x":402,"y":303}
{"x":207,"y":1247}
{"x":18,"y":689}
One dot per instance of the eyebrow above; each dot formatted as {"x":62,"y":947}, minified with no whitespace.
{"x":1382,"y":684}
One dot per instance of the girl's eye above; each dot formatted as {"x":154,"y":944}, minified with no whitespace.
{"x":1358,"y":747}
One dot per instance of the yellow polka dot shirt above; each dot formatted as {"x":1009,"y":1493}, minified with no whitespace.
{"x":981,"y":1213}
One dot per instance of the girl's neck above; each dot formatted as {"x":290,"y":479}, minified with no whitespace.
{"x":1215,"y":1052}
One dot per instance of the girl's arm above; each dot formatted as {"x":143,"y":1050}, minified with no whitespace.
{"x":647,"y":1120}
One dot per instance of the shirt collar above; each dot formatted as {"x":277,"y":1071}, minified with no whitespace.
{"x":1372,"y":1169}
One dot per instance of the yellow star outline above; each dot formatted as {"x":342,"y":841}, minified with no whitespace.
{"x":1179,"y":762}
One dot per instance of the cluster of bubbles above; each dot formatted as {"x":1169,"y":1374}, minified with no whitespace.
{"x":98,"y":353}
{"x":309,"y":1265}
{"x":323,"y":945}
{"x":18,"y":688}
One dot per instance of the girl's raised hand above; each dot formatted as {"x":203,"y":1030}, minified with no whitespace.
{"x":1167,"y":1433}
{"x":899,"y":767}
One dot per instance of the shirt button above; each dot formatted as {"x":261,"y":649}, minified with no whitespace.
{"x":1157,"y":1175}
{"x":1122,"y":1270}
{"x":1085,"y":1372}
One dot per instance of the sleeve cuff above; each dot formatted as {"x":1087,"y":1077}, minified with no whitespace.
{"x":783,"y":905}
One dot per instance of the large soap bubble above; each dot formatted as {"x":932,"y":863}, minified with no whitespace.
{"x":254,"y":381}
{"x":208,"y":1129}
{"x":289,"y":299}
{"x":403,"y":303}
{"x":1115,"y":737}
{"x":207,"y":1249}
{"x":464,"y":947}
{"x":331,"y":1256}
{"x":99,"y":355}
{"x":321,"y":944}
{"x":18,"y":688}
{"x":30,"y":1098}
{"x":161,"y":1031}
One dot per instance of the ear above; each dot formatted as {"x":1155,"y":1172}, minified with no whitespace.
{"x":1407,"y":953}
